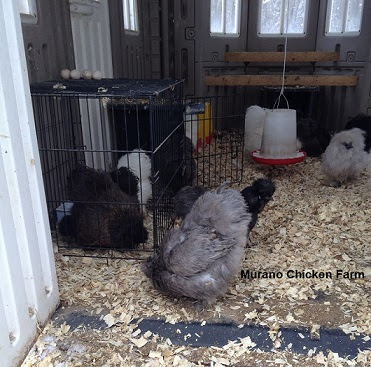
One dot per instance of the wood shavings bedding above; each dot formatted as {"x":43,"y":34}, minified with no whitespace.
{"x":308,"y":227}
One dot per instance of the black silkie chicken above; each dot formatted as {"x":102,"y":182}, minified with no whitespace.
{"x":200,"y":258}
{"x":256,"y":197}
{"x":311,"y":137}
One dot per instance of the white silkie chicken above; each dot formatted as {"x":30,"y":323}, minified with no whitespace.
{"x":200,"y":258}
{"x":345,"y":158}
{"x":349,"y":151}
{"x":139,"y":164}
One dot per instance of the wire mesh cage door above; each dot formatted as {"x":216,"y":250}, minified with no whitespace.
{"x":170,"y":171}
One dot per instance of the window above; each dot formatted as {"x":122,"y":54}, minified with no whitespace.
{"x":344,"y":17}
{"x":225,"y":18}
{"x":131,"y":16}
{"x":28,"y":11}
{"x":275,"y":15}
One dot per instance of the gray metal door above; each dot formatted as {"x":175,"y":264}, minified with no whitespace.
{"x":137,"y":55}
{"x":196,"y":50}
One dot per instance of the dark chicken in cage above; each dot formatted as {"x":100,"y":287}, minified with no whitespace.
{"x":102,"y":214}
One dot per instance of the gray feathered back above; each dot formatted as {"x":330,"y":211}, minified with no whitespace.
{"x":201,"y":257}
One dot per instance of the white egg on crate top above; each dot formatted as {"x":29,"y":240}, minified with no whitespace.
{"x":65,"y":74}
{"x":75,"y":74}
{"x":97,"y":75}
{"x":87,"y":74}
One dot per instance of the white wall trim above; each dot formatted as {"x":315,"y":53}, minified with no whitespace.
{"x":28,"y":283}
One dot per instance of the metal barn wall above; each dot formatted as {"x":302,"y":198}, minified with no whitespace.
{"x":196,"y":54}
{"x":174,"y":41}
{"x":48,"y":43}
{"x":28,"y":281}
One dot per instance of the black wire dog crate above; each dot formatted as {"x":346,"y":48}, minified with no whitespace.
{"x":114,"y":152}
{"x":110,"y":150}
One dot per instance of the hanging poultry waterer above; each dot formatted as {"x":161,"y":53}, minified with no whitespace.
{"x":279,"y":139}
{"x":279,"y":134}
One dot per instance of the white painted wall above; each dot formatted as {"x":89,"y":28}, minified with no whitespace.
{"x":28,"y":282}
{"x":92,"y":47}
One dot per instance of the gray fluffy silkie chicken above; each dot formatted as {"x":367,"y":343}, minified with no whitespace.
{"x":200,"y":258}
{"x":256,"y":197}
